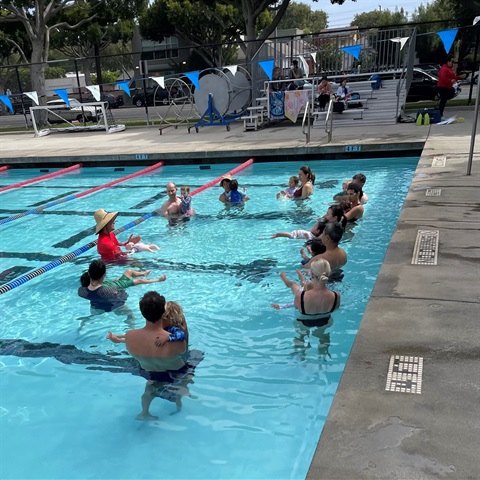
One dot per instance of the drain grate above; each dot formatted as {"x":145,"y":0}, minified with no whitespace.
{"x":425,"y":251}
{"x":433,"y":192}
{"x":405,"y":374}
{"x":439,"y":161}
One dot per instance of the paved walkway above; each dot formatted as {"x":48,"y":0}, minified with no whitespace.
{"x":415,"y":310}
{"x":284,"y":141}
{"x":421,"y":311}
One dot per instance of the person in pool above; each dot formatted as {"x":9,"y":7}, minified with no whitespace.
{"x":330,"y":237}
{"x":97,"y":271}
{"x":225,"y":184}
{"x":186,"y":201}
{"x":159,"y":365}
{"x":307,"y":179}
{"x":173,"y":206}
{"x":315,"y":302}
{"x":234,"y":195}
{"x":107,"y":244}
{"x":103,"y":298}
{"x":355,"y":194}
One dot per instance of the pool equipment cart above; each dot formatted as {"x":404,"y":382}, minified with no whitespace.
{"x":222,"y":96}
{"x":72,"y":255}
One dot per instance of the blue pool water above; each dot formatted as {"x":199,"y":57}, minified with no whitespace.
{"x":258,"y":400}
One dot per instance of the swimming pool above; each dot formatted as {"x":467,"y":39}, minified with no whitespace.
{"x":259,"y":399}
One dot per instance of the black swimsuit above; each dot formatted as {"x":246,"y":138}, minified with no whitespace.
{"x":316,"y":319}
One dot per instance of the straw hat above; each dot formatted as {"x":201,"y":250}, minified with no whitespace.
{"x":102,"y":218}
{"x":225,"y":177}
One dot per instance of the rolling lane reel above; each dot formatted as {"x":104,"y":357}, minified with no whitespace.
{"x":222,"y":96}
{"x":178,"y":107}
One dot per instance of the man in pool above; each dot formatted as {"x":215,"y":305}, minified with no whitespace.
{"x":107,"y":244}
{"x":330,"y":237}
{"x":358,"y":179}
{"x":159,"y":365}
{"x":173,"y":206}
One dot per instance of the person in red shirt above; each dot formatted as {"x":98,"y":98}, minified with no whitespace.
{"x":446,"y":78}
{"x":107,"y":244}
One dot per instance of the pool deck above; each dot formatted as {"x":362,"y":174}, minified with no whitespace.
{"x":428,"y":311}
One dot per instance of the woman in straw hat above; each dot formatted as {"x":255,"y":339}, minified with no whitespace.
{"x":107,"y":244}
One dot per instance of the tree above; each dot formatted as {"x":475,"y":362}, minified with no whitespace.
{"x":13,"y":46}
{"x":300,"y":15}
{"x":209,"y":29}
{"x":39,"y":18}
{"x":439,"y":12}
{"x":259,"y":19}
{"x":379,"y":18}
{"x":113,"y":23}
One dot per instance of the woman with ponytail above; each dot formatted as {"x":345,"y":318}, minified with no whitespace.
{"x":314,"y":302}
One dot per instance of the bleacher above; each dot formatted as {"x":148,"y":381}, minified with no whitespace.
{"x":379,"y":107}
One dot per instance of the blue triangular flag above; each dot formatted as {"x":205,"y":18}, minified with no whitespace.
{"x":267,"y":66}
{"x":448,"y":37}
{"x":6,"y":100}
{"x":62,"y":93}
{"x":193,"y":77}
{"x":123,"y":84}
{"x":354,"y":50}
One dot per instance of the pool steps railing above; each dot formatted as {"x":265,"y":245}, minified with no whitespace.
{"x":72,"y":255}
{"x":80,"y":194}
{"x":42,"y":177}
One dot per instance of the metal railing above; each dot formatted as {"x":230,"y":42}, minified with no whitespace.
{"x":329,"y":119}
{"x":307,"y":118}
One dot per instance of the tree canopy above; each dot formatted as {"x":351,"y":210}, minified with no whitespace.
{"x":379,"y":18}
{"x":257,"y":20}
{"x":39,"y":18}
{"x":300,"y":15}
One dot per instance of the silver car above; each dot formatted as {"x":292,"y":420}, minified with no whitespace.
{"x":59,"y":111}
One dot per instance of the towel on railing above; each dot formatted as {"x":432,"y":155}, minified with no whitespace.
{"x":295,"y":101}
{"x":277,"y":102}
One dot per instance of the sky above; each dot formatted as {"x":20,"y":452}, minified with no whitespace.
{"x":342,"y":15}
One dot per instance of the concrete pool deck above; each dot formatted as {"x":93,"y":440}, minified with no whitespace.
{"x":415,"y":310}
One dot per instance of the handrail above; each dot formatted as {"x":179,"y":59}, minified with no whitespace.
{"x":328,"y":118}
{"x":306,"y":116}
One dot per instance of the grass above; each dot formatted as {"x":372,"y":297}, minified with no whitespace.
{"x":456,"y":102}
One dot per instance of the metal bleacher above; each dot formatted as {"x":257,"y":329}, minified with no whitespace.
{"x":379,"y":107}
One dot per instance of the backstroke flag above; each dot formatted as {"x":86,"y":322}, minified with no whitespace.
{"x":193,"y":77}
{"x":232,"y":68}
{"x":95,"y":91}
{"x":448,"y":37}
{"x":401,"y":40}
{"x":159,"y":80}
{"x":33,"y":96}
{"x":354,"y":50}
{"x":62,"y":93}
{"x":123,"y":84}
{"x":267,"y":66}
{"x":7,"y":102}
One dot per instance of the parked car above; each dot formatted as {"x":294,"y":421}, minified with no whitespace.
{"x":155,"y":95}
{"x":431,"y":68}
{"x":424,"y":86}
{"x":76,"y":111}
{"x":17,"y":104}
{"x":112,"y":100}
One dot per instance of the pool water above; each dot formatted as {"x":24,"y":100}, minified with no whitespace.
{"x":259,"y":398}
